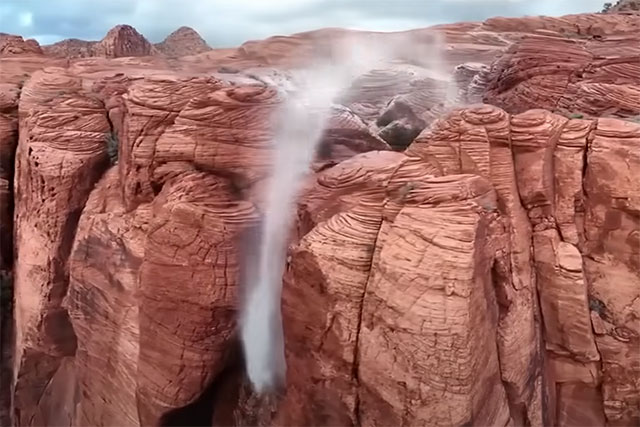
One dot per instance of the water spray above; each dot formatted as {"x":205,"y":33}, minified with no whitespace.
{"x":299,"y":125}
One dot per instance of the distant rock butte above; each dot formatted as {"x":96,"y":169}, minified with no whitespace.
{"x":122,"y":41}
{"x":70,"y":48}
{"x":485,"y":273}
{"x":183,"y":41}
{"x":125,"y":41}
{"x":16,"y":45}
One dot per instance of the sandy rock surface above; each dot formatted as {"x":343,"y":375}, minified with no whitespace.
{"x":451,"y":263}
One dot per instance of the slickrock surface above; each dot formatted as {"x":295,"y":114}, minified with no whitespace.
{"x":489,"y":274}
{"x":183,"y":41}
{"x":340,"y":349}
{"x":16,"y":45}
{"x":588,"y":78}
{"x":612,"y":248}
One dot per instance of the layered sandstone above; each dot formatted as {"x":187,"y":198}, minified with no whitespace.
{"x":125,"y":41}
{"x":571,"y":259}
{"x":60,"y":156}
{"x":183,"y":41}
{"x":487,"y":275}
{"x":120,"y":41}
{"x":339,"y":355}
{"x":583,"y":78}
{"x":70,"y":48}
{"x":16,"y":45}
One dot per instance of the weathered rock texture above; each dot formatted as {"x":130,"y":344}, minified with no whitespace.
{"x":120,"y":41}
{"x":487,"y":275}
{"x":123,"y":40}
{"x":563,"y":170}
{"x":70,"y":48}
{"x":60,"y":156}
{"x":183,"y":41}
{"x":16,"y":45}
{"x":589,"y":78}
{"x":630,"y":6}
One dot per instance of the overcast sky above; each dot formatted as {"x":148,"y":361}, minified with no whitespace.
{"x":225,"y":23}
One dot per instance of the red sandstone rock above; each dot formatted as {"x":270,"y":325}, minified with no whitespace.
{"x":61,"y":154}
{"x":345,"y":135}
{"x":570,"y":76}
{"x":70,"y":48}
{"x":183,"y":41}
{"x":125,"y":41}
{"x":122,"y":41}
{"x":477,"y":278}
{"x":549,"y":158}
{"x":16,"y":45}
{"x":476,"y":141}
{"x":339,"y":371}
{"x":191,"y":262}
{"x":612,"y":245}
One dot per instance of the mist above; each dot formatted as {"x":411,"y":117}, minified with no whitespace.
{"x":308,"y":96}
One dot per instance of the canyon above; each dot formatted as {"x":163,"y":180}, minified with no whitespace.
{"x":465,"y":248}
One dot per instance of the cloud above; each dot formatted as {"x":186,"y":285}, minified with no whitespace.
{"x":226,"y":23}
{"x":25,"y":19}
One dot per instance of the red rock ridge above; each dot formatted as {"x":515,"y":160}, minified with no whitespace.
{"x":16,"y":45}
{"x":70,"y":48}
{"x":487,"y":275}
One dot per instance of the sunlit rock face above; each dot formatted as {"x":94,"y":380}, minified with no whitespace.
{"x":447,"y":263}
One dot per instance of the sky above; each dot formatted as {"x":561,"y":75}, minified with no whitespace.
{"x":227,"y":23}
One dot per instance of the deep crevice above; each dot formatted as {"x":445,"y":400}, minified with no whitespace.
{"x":218,"y":401}
{"x":7,"y":258}
{"x":356,"y":354}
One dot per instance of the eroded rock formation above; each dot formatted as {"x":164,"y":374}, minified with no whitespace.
{"x":589,"y":78}
{"x":183,"y":41}
{"x":487,"y":275}
{"x":16,"y":45}
{"x":120,"y":41}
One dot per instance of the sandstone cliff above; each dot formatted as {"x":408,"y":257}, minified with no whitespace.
{"x":487,"y":274}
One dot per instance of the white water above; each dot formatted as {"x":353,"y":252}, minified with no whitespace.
{"x":298,"y":128}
